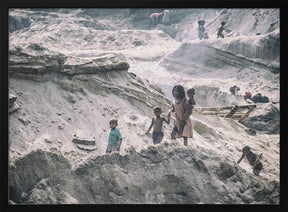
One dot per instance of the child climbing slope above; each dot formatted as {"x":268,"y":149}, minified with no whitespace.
{"x":253,"y":160}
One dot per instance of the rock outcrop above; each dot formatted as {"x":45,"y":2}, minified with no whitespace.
{"x":12,"y":105}
{"x":265,"y":119}
{"x":41,"y":61}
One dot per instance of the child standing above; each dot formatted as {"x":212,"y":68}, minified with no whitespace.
{"x":182,"y":115}
{"x":114,"y":138}
{"x":253,"y":160}
{"x":158,"y":123}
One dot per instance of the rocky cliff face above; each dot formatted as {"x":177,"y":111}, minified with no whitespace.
{"x":72,"y":70}
{"x":166,"y":174}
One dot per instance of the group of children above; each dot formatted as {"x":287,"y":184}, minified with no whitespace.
{"x":182,"y":106}
{"x":202,"y":33}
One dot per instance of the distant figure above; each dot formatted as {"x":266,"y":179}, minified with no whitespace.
{"x":234,"y":90}
{"x":202,"y":34}
{"x":247,"y":95}
{"x":157,"y":17}
{"x":114,"y":138}
{"x":253,"y":160}
{"x":220,"y":30}
{"x":181,"y":115}
{"x":166,"y":19}
{"x":188,"y":106}
{"x":157,"y":122}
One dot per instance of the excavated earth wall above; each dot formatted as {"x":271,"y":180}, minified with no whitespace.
{"x":166,"y":174}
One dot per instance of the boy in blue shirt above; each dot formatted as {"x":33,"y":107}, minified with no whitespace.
{"x":114,"y":138}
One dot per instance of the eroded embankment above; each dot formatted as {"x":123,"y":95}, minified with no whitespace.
{"x":214,"y":57}
{"x":165,"y":173}
{"x":38,"y":178}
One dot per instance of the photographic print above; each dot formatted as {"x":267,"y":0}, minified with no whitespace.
{"x":144,"y":106}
